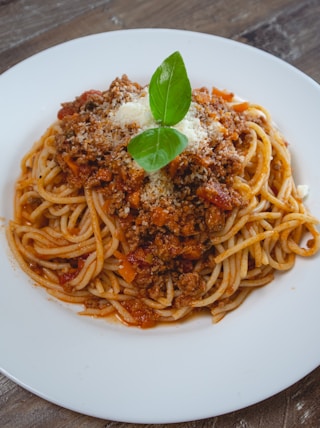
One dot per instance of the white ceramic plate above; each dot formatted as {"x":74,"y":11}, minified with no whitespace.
{"x":186,"y":371}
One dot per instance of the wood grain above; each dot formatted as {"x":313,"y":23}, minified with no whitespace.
{"x":288,"y":29}
{"x":287,"y":35}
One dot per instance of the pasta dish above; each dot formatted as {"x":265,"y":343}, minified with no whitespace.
{"x":198,"y":235}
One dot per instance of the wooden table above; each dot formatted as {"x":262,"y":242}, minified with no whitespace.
{"x":288,"y":29}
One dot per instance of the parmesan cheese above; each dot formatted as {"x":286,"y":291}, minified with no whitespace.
{"x":137,"y":111}
{"x":159,"y":185}
{"x":192,"y":128}
{"x":302,"y":190}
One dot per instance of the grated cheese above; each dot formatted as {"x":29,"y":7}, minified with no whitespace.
{"x":159,"y":185}
{"x":137,"y":111}
{"x":303,"y":190}
{"x":192,"y":128}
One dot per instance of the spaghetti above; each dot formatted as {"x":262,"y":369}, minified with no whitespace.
{"x":95,"y":229}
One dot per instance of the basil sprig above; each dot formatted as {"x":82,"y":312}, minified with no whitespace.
{"x":169,"y":100}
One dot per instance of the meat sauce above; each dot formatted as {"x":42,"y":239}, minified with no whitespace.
{"x":167,"y":229}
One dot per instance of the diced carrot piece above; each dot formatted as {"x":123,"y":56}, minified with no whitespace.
{"x":159,"y":216}
{"x":126,"y":270}
{"x":240,"y":107}
{"x":134,"y":199}
{"x":227,"y":96}
{"x":72,"y":165}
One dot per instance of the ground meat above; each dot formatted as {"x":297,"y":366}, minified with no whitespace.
{"x":192,"y":286}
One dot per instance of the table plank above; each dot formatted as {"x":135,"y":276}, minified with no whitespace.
{"x":290,"y":35}
{"x":24,"y":19}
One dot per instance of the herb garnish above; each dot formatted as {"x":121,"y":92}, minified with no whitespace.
{"x":169,"y":100}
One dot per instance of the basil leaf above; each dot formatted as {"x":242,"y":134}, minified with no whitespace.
{"x":170,"y":91}
{"x":156,"y":147}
